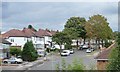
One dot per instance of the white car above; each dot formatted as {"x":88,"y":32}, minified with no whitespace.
{"x":88,"y":51}
{"x":13,"y":60}
{"x":71,"y":51}
{"x":65,"y":53}
{"x":85,"y":46}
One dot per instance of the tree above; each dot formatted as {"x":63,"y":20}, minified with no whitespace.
{"x":61,"y":38}
{"x":15,"y":51}
{"x":74,"y":27}
{"x":31,"y":27}
{"x":29,"y":53}
{"x":114,"y":63}
{"x":98,"y":27}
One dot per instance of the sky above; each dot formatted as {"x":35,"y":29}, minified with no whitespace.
{"x":53,"y":15}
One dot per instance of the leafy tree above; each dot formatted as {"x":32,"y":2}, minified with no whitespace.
{"x":61,"y":38}
{"x":98,"y":27}
{"x":31,"y":27}
{"x":29,"y":53}
{"x":15,"y":51}
{"x":74,"y":27}
{"x":114,"y":63}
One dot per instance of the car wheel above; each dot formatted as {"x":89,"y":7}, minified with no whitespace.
{"x":5,"y":62}
{"x":16,"y":62}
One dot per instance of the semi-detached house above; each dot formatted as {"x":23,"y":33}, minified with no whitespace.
{"x":41,"y":39}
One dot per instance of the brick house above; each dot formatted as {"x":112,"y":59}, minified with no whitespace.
{"x":103,"y":58}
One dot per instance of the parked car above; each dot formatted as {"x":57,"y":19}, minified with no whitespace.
{"x":85,"y":46}
{"x":81,"y":46}
{"x":19,"y":57}
{"x":88,"y":51}
{"x":13,"y":60}
{"x":52,"y":48}
{"x":71,"y":51}
{"x":92,"y":49}
{"x":65,"y":53}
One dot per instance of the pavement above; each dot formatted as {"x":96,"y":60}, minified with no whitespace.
{"x":23,"y":66}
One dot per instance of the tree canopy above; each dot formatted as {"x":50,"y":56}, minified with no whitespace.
{"x":31,"y":27}
{"x":97,"y":26}
{"x":61,"y":38}
{"x":75,"y":27}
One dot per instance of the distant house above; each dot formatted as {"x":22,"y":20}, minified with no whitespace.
{"x":4,"y":49}
{"x":32,"y":36}
{"x":103,"y":58}
{"x":47,"y":36}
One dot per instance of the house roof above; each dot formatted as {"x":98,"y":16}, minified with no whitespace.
{"x":104,"y":55}
{"x":28,"y":32}
{"x":42,"y":32}
{"x":53,"y":32}
{"x":13,"y":33}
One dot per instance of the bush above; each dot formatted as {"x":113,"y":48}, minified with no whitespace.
{"x":107,"y":44}
{"x":114,"y":62}
{"x":29,"y":53}
{"x":15,"y":51}
{"x":76,"y":66}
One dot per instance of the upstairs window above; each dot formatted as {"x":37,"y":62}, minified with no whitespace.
{"x":12,"y":40}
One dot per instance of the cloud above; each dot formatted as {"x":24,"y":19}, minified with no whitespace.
{"x":53,"y":15}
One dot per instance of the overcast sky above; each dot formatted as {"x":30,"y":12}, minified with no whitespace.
{"x":53,"y":15}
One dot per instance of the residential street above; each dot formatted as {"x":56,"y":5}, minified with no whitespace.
{"x":87,"y":58}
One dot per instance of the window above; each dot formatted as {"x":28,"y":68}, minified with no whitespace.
{"x":12,"y":40}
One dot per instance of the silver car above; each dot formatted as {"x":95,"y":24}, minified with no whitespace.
{"x":13,"y":60}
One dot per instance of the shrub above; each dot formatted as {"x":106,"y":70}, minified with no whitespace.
{"x":76,"y":66}
{"x":29,"y":53}
{"x":15,"y":51}
{"x":107,"y":44}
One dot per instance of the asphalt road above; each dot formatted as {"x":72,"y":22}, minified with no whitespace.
{"x":87,"y":58}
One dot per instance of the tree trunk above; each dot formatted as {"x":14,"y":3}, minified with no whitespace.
{"x":99,"y":43}
{"x":89,"y":43}
{"x":84,"y":40}
{"x":102,"y":43}
{"x":60,"y":49}
{"x":96,"y":43}
{"x":77,"y":44}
